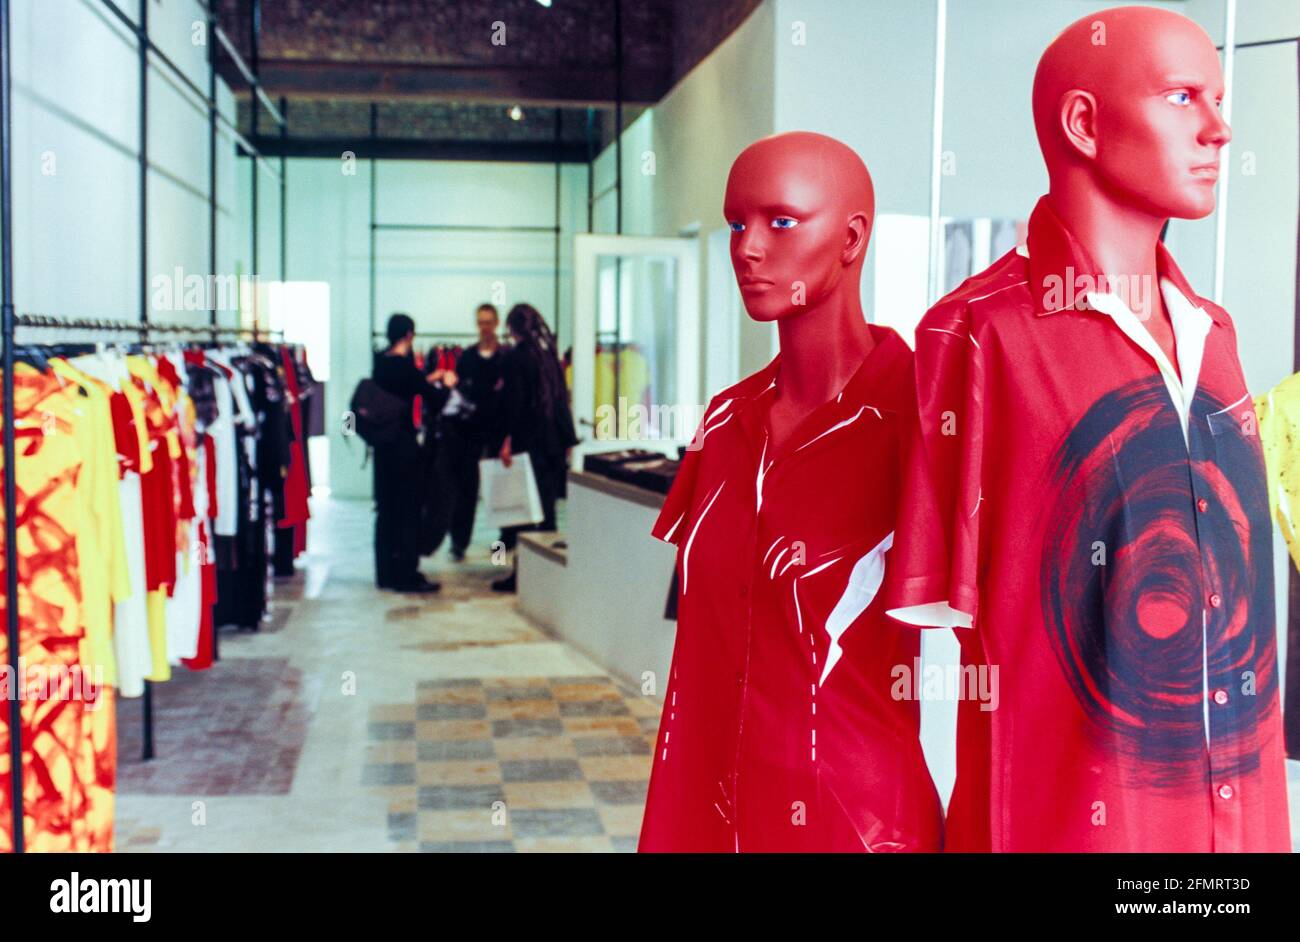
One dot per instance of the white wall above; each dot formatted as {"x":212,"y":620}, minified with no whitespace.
{"x":76,"y":158}
{"x":438,"y":278}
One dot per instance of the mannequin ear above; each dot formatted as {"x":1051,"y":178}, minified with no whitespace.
{"x":1079,"y":121}
{"x":855,"y":242}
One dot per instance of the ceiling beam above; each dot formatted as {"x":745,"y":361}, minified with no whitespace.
{"x":551,"y":86}
{"x":547,"y":152}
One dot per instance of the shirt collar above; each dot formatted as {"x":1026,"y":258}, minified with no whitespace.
{"x":1057,"y":259}
{"x":881,"y":380}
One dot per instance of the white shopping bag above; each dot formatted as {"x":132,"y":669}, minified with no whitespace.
{"x":510,"y":494}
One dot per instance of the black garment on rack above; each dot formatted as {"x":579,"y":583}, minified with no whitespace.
{"x":263,"y":454}
{"x":240,"y":595}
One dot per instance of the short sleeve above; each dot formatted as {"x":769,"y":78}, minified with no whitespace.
{"x":674,"y":517}
{"x":932,"y":579}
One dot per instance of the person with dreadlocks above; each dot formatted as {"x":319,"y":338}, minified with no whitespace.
{"x":536,"y":418}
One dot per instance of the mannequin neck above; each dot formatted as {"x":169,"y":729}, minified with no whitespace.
{"x":1120,"y":238}
{"x":822,"y":347}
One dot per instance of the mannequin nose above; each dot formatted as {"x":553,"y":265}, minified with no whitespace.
{"x":1216,"y":130}
{"x":749,"y":247}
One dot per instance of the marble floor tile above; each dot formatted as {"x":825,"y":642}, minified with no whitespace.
{"x":563,"y":794}
{"x":470,"y":772}
{"x":556,"y":822}
{"x":358,"y":720}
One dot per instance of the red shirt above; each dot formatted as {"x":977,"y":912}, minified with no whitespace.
{"x":779,"y":732}
{"x":1116,"y":564}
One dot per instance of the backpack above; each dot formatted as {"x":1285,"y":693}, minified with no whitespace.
{"x":381,"y":418}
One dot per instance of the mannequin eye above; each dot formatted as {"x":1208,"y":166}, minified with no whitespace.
{"x":784,"y":222}
{"x":1179,"y":98}
{"x":735,"y":227}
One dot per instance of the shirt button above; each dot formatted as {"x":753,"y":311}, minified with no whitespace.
{"x":1216,"y":600}
{"x":1225,"y":792}
{"x":1202,"y":505}
{"x":1220,"y":697}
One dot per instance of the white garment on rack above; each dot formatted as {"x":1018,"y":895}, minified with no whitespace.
{"x":183,"y":606}
{"x":222,"y":433}
{"x":130,"y":616}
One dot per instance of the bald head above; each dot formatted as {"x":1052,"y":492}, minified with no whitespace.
{"x":1115,"y":52}
{"x":1127,"y":109}
{"x":800,"y":207}
{"x":822,"y":170}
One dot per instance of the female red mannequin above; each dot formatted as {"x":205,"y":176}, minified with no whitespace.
{"x":781,"y":729}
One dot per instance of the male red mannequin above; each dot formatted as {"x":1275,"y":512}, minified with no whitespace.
{"x":779,"y":731}
{"x":1086,"y":497}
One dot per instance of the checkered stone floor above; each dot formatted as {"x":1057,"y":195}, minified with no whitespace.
{"x":537,"y":764}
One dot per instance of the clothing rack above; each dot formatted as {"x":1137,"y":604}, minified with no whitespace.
{"x":143,"y":327}
{"x":9,"y":320}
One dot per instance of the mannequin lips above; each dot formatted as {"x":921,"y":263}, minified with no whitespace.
{"x":755,"y":283}
{"x":1207,"y":172}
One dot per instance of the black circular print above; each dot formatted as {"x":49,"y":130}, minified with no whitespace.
{"x":1130,"y":567}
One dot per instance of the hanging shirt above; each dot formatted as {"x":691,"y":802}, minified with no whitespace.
{"x":780,"y":731}
{"x":227,"y":383}
{"x":1096,"y":526}
{"x":99,"y":519}
{"x":130,"y":613}
{"x":68,"y":747}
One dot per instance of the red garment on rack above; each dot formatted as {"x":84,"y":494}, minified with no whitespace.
{"x":208,"y":575}
{"x":296,"y":510}
{"x":157,"y":498}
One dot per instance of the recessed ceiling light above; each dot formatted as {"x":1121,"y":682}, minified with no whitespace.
{"x":545,"y":3}
{"x":516,"y":113}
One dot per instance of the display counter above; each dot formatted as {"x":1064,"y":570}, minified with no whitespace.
{"x":602,"y":584}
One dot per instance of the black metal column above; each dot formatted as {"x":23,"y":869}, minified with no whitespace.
{"x":558,"y":165}
{"x":212,"y":171}
{"x":374,"y":186}
{"x":11,"y":489}
{"x":618,"y":198}
{"x":213,"y":318}
{"x":254,"y":28}
{"x":284,"y":190}
{"x":142,"y":41}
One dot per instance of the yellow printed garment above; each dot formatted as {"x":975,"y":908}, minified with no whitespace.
{"x":67,"y":733}
{"x":1279,"y":431}
{"x":99,"y":518}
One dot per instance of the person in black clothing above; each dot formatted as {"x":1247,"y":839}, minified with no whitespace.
{"x":466,"y":434}
{"x":536,"y":418}
{"x":397,"y":466}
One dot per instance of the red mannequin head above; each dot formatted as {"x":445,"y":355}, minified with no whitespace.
{"x":1126,"y":105}
{"x":800,"y":207}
